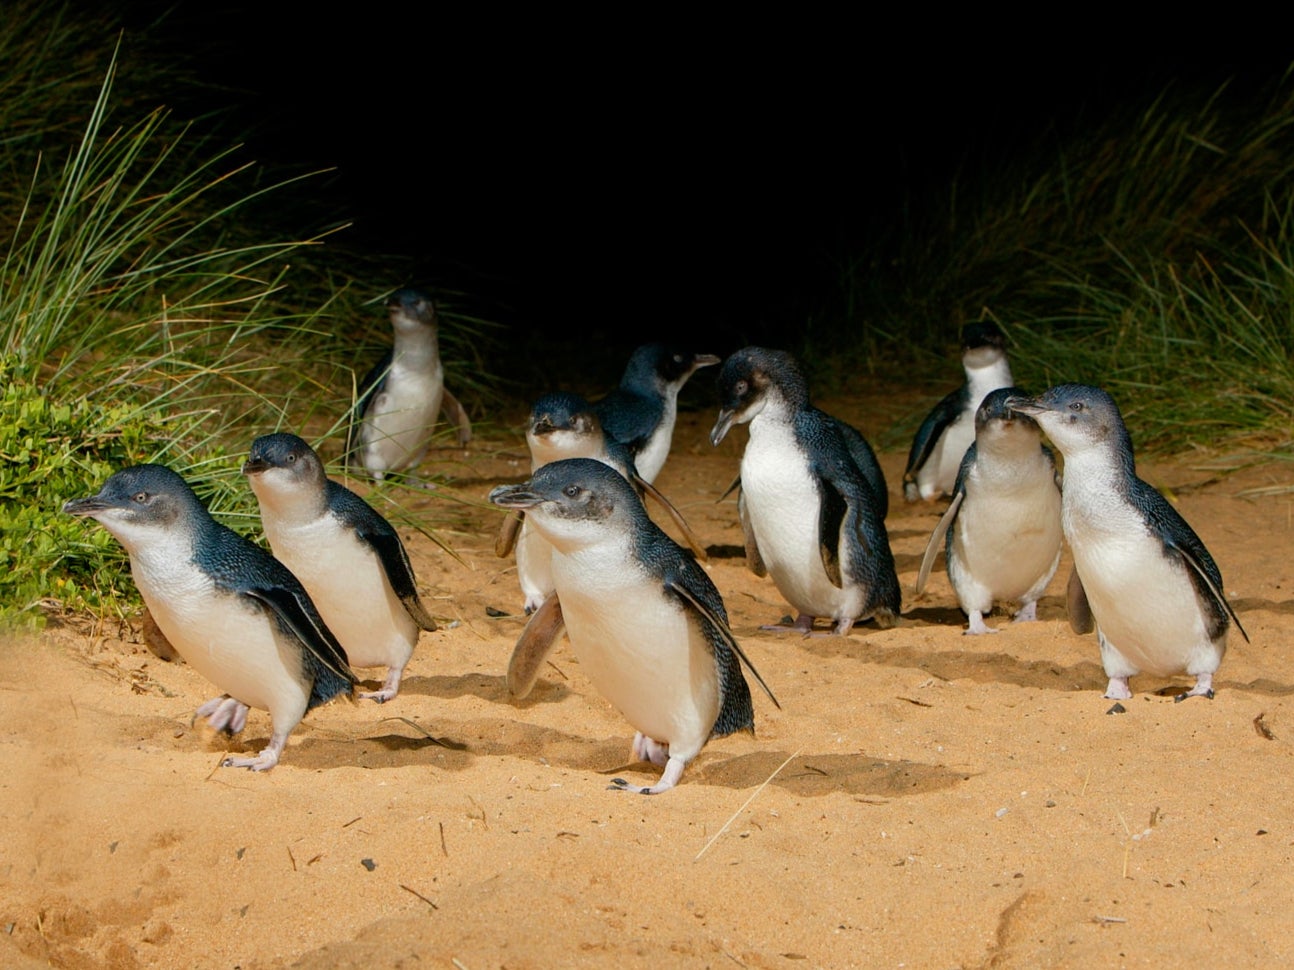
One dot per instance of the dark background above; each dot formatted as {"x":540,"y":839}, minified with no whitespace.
{"x":622,"y":176}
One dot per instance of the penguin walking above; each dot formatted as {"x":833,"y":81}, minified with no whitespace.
{"x":346,"y":555}
{"x":644,"y":619}
{"x":400,"y":398}
{"x":641,"y":411}
{"x":231,"y":610}
{"x":1141,"y":573}
{"x":949,"y":429}
{"x":564,"y":425}
{"x":809,"y":512}
{"x":1001,"y":535}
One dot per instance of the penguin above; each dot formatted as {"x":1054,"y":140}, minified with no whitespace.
{"x":949,"y":429}
{"x":564,"y":425}
{"x":645,"y":621}
{"x":347,"y":556}
{"x":1001,"y":535}
{"x":235,"y":613}
{"x":399,"y":399}
{"x":1140,"y":572}
{"x":641,"y":411}
{"x":809,"y":513}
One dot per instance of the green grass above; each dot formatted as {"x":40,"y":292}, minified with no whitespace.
{"x":148,"y":315}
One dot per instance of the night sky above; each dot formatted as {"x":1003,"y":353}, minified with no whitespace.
{"x":619,"y":178}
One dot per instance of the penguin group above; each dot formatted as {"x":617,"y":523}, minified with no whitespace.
{"x":281,"y":630}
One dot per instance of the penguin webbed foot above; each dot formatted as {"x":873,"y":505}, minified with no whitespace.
{"x":1028,"y":613}
{"x":1203,"y":688}
{"x":803,"y":625}
{"x":264,"y":761}
{"x":224,"y":714}
{"x":648,"y":749}
{"x":673,"y":773}
{"x":977,"y":626}
{"x":1118,"y":689}
{"x":390,"y":688}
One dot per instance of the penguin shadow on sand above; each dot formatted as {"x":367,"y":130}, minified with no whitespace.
{"x":824,"y":774}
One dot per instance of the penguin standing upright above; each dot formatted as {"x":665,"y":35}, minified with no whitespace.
{"x":400,"y":398}
{"x":644,"y":619}
{"x":231,"y":610}
{"x":1001,"y":534}
{"x":808,"y":510}
{"x":949,"y":429}
{"x":346,"y":555}
{"x":1140,"y":572}
{"x":641,"y":411}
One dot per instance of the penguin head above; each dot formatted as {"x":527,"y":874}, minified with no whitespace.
{"x":1079,"y":418}
{"x":141,"y":504}
{"x":661,"y":366}
{"x":573,"y":502}
{"x":983,"y":344}
{"x":281,"y":464}
{"x":563,"y":425}
{"x":411,"y":311}
{"x":749,"y":379}
{"x":995,"y":418}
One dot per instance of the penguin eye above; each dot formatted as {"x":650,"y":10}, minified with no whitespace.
{"x":139,"y":498}
{"x":741,"y":387}
{"x":1077,"y":406}
{"x":678,"y":358}
{"x":291,"y":458}
{"x":570,"y":491}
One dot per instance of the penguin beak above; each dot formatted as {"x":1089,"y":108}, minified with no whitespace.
{"x":704,"y":360}
{"x":515,"y":497}
{"x":721,"y":426}
{"x":82,"y":507}
{"x":1024,"y":405}
{"x":254,"y":466}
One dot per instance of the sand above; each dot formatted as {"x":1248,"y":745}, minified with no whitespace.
{"x":935,"y":800}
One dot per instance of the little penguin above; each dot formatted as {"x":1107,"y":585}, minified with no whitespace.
{"x":1001,"y":535}
{"x":347,"y":556}
{"x":234,"y":613}
{"x":810,"y":513}
{"x":1140,"y":572}
{"x":645,"y":621}
{"x":949,"y":429}
{"x":642,"y":410}
{"x":400,"y":398}
{"x":564,"y":425}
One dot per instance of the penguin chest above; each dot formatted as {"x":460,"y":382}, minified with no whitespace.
{"x":347,"y":582}
{"x":784,"y":505}
{"x":938,"y":476}
{"x":1143,"y":600}
{"x":643,"y":651}
{"x":1007,"y":537}
{"x":229,"y":639}
{"x":651,"y":459}
{"x":400,"y":420}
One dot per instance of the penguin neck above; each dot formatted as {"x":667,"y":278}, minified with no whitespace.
{"x":289,"y":507}
{"x":417,"y":349}
{"x":1095,"y":479}
{"x":986,"y":376}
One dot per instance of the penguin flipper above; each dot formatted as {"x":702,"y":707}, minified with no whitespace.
{"x":692,"y":541}
{"x":923,"y":444}
{"x":456,"y":414}
{"x":399,"y":573}
{"x":1203,"y":578}
{"x":369,"y":388}
{"x":1080,"y":611}
{"x":833,"y":519}
{"x":937,"y":539}
{"x":865,"y":459}
{"x":753,"y":559}
{"x":536,"y":642}
{"x":718,"y":626}
{"x":295,"y":613}
{"x":509,"y":529}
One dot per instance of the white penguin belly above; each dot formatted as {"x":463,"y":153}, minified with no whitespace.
{"x":784,"y":506}
{"x":1006,"y":543}
{"x":651,"y":459}
{"x":348,"y":585}
{"x":644,"y":654}
{"x":226,"y":638}
{"x":1143,"y":602}
{"x":938,"y":475}
{"x":400,"y":421}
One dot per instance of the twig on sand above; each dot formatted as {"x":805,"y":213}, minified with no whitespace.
{"x":753,"y":796}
